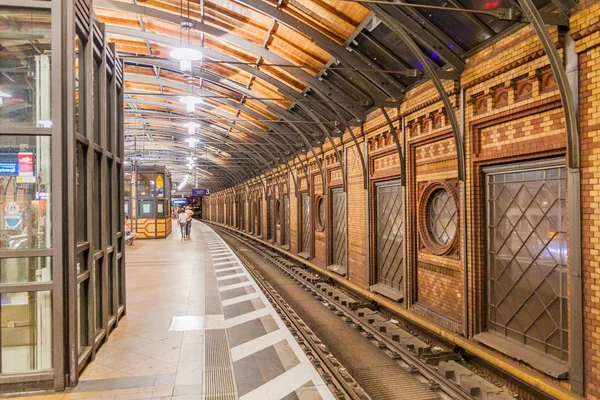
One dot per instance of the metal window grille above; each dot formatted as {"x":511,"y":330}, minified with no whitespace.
{"x":339,"y":227}
{"x":442,"y":216}
{"x":305,"y":223}
{"x":390,"y":235}
{"x":527,"y":257}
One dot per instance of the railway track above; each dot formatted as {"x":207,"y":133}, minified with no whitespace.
{"x":340,"y":382}
{"x":440,"y":371}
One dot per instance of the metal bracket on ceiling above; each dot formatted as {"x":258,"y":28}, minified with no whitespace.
{"x":516,"y":14}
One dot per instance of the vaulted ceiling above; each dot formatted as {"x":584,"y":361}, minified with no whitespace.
{"x":278,"y":77}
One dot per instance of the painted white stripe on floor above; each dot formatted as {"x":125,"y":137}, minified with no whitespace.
{"x":229,"y":269}
{"x":239,"y":299}
{"x":240,"y":319}
{"x":220,"y":253}
{"x":222,"y":278}
{"x":281,"y":386}
{"x":235,"y":286}
{"x":225,"y":262}
{"x":256,"y":345}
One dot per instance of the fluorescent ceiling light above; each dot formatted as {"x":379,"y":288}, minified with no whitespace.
{"x":186,"y":54}
{"x":3,"y":95}
{"x":191,"y":101}
{"x":191,"y":127}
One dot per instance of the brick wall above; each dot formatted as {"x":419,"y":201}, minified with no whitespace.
{"x":513,"y":113}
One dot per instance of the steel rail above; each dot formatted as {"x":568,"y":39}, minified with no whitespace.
{"x":290,"y":315}
{"x":427,"y":371}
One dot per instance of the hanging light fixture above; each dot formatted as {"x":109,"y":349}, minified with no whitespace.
{"x":185,"y":54}
{"x":192,"y":142}
{"x":4,"y":95}
{"x":190,"y":102}
{"x":191,"y":126}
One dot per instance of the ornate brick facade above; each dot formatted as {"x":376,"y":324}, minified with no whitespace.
{"x":513,"y":114}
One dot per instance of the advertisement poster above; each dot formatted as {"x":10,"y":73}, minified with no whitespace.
{"x":9,"y":168}
{"x":25,"y":164}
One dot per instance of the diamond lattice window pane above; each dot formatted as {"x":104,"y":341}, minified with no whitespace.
{"x":527,"y":256}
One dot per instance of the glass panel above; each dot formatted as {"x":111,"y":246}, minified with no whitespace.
{"x":120,"y":278}
{"x":25,"y":269}
{"x":25,"y":82}
{"x":145,"y":209}
{"x":111,"y":302}
{"x":82,"y":315}
{"x":98,"y":287}
{"x":97,"y":206}
{"x":119,"y":198}
{"x":527,"y":255}
{"x":127,"y":181}
{"x":442,"y":217}
{"x":81,"y":195}
{"x":160,"y":185}
{"x":80,"y":88}
{"x":109,"y":204}
{"x":390,"y":235}
{"x":25,"y":192}
{"x":26,"y":331}
{"x":109,"y":116}
{"x":96,"y":100}
{"x":119,"y":117}
{"x":82,"y":262}
{"x":145,"y":185}
{"x":160,"y":209}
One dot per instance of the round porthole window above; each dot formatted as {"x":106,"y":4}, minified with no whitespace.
{"x":441,"y":217}
{"x":438,"y":218}
{"x":320,"y":214}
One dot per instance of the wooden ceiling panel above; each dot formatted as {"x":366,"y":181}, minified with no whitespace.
{"x":260,"y":108}
{"x":337,"y":18}
{"x":120,"y":18}
{"x":129,"y":46}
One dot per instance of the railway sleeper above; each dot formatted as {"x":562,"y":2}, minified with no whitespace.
{"x":476,"y":386}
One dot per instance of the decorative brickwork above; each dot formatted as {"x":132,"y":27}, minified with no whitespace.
{"x":513,"y":114}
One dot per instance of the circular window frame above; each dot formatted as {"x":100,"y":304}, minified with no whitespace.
{"x":429,"y":242}
{"x":319,"y":202}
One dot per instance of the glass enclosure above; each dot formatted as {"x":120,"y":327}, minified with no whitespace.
{"x":61,"y":137}
{"x":148,"y":200}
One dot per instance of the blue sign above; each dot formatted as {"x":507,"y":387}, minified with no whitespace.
{"x":180,"y":201}
{"x":200,"y":192}
{"x":9,"y":169}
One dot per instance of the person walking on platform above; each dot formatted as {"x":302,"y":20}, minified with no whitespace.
{"x":182,"y":219}
{"x":188,"y":228}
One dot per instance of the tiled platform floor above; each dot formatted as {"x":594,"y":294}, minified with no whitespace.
{"x":197,"y":327}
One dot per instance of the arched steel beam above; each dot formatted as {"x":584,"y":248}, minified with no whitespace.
{"x":216,"y":136}
{"x":168,"y":41}
{"x":360,"y":152}
{"x":333,"y":92}
{"x":284,"y":114}
{"x":241,"y":126}
{"x":275,"y":164}
{"x":570,"y":110}
{"x":424,"y":31}
{"x":399,"y":148}
{"x":383,"y":81}
{"x":396,"y":27}
{"x":276,"y":127}
{"x":213,"y":162}
{"x":337,"y":152}
{"x":184,"y":87}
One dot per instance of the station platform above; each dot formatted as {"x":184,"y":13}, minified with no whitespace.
{"x":197,"y":327}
